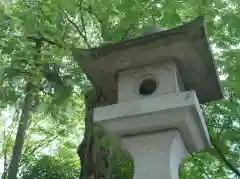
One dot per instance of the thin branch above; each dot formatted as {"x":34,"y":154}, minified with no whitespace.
{"x":5,"y":166}
{"x":89,"y":10}
{"x":77,"y":28}
{"x":151,"y":3}
{"x":100,"y":21}
{"x":36,"y":38}
{"x":46,"y":92}
{"x":44,"y":39}
{"x":128,"y":30}
{"x":28,"y":135}
{"x":65,"y":32}
{"x":12,"y":131}
{"x":145,"y":8}
{"x":28,"y":148}
{"x":221,"y":128}
{"x":56,"y":136}
{"x":200,"y":165}
{"x":82,"y":19}
{"x":224,"y":159}
{"x":39,"y":146}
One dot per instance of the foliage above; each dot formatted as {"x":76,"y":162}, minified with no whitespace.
{"x":122,"y":166}
{"x":51,"y":167}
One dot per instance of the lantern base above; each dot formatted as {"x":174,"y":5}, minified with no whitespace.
{"x":156,"y":155}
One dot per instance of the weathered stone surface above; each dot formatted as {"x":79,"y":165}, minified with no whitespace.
{"x":156,"y":155}
{"x":187,"y":45}
{"x":165,"y":75}
{"x":179,"y":111}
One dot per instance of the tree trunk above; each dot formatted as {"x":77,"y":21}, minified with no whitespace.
{"x":4,"y":175}
{"x":23,"y":123}
{"x":19,"y":141}
{"x":95,"y":159}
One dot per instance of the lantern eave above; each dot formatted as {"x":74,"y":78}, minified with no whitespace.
{"x":186,"y":45}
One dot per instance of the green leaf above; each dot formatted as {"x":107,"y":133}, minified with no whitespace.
{"x":42,"y":107}
{"x":2,"y":73}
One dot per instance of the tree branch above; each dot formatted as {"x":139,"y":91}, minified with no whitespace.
{"x":125,"y":36}
{"x":200,"y":165}
{"x":100,"y":21}
{"x":82,"y":20}
{"x":5,"y":166}
{"x":44,"y":39}
{"x":40,"y":145}
{"x":19,"y":141}
{"x":77,"y":28}
{"x":224,"y":159}
{"x":145,"y":8}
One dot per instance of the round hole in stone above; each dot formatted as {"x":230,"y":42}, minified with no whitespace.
{"x":147,"y":86}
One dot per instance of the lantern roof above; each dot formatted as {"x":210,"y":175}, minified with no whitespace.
{"x":186,"y":45}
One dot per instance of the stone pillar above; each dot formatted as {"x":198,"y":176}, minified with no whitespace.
{"x":158,"y":132}
{"x":156,"y":155}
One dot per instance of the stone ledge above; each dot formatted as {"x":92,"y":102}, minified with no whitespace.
{"x":179,"y":111}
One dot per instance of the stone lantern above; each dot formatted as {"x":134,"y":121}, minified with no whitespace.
{"x":155,"y":85}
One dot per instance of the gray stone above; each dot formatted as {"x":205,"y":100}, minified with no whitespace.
{"x":150,"y":29}
{"x":156,"y":156}
{"x":153,"y":84}
{"x":179,"y":111}
{"x":187,"y":45}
